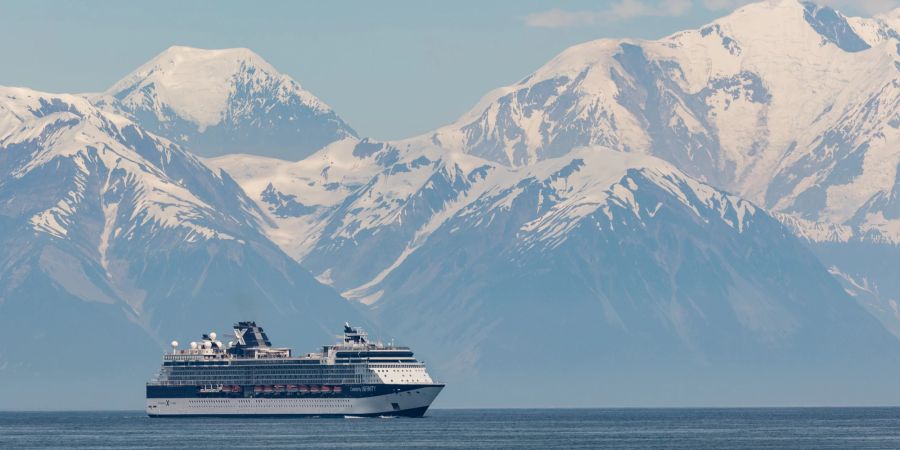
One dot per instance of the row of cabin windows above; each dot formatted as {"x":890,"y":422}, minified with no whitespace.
{"x":394,"y":366}
{"x":240,"y":381}
{"x":259,"y":375}
{"x":276,"y":403}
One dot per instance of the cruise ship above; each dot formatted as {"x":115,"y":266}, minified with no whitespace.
{"x":249,"y":377}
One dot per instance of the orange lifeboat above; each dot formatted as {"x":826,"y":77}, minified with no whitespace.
{"x":303,"y":389}
{"x":314,"y":389}
{"x":337,"y":389}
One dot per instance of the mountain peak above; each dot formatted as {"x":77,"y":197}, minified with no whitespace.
{"x":197,"y":83}
{"x":223,"y":101}
{"x":176,"y":50}
{"x":777,"y":17}
{"x":181,"y":59}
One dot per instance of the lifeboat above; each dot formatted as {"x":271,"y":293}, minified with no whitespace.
{"x":267,"y":389}
{"x":337,"y":389}
{"x":235,"y":388}
{"x":291,"y":388}
{"x":257,"y":389}
{"x":303,"y":388}
{"x":314,"y":389}
{"x":326,"y":389}
{"x":279,"y":388}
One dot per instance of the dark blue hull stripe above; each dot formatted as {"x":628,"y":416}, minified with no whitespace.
{"x":412,"y":412}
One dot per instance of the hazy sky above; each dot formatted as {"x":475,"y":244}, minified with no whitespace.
{"x":391,"y":69}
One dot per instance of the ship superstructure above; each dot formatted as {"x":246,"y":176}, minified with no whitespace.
{"x":249,"y":376}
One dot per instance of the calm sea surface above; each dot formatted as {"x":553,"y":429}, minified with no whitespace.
{"x":813,"y":428}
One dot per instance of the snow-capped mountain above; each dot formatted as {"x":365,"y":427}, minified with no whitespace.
{"x":787,"y":103}
{"x":790,"y":104}
{"x":380,"y":225}
{"x":300,"y":196}
{"x":217,"y":102}
{"x":116,"y":240}
{"x":350,"y":210}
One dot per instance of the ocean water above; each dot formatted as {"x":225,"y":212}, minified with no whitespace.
{"x":793,"y":428}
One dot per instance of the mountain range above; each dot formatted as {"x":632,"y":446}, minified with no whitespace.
{"x":708,"y":217}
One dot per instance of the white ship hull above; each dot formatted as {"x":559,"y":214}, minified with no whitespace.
{"x":408,"y":403}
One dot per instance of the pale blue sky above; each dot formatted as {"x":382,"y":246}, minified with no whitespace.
{"x":392,"y":69}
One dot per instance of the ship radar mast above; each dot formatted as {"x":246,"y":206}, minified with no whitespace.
{"x":355,"y":335}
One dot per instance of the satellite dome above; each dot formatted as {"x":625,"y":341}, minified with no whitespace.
{"x":212,"y":336}
{"x":194,"y":345}
{"x":174,"y":344}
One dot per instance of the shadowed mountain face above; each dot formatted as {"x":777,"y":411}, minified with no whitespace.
{"x":216,"y":102}
{"x":116,"y":241}
{"x":792,"y":105}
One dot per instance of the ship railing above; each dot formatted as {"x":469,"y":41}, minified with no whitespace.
{"x":367,"y":345}
{"x":195,"y":356}
{"x":171,"y":383}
